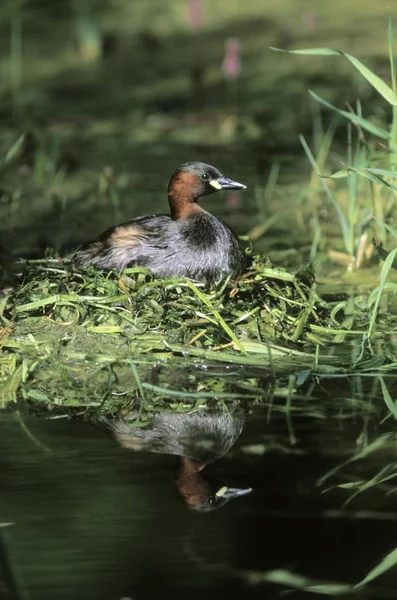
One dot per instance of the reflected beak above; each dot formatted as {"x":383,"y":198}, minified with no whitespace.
{"x":226,"y":492}
{"x":223,"y":183}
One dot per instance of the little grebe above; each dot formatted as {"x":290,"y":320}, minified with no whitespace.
{"x":190,"y":242}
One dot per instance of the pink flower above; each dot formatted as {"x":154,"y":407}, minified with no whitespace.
{"x":231,"y":64}
{"x":309,"y":20}
{"x":194,"y":14}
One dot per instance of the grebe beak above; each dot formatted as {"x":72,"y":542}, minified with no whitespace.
{"x":224,"y":183}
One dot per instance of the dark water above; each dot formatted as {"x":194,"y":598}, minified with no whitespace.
{"x":91,"y":520}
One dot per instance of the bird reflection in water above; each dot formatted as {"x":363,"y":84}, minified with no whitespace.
{"x":197,"y":438}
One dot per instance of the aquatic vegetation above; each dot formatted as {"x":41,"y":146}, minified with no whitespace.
{"x":265,"y":317}
{"x":323,"y":588}
{"x":368,"y":201}
{"x":76,"y":337}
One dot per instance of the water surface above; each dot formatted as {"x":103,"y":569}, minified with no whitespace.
{"x":88,"y":519}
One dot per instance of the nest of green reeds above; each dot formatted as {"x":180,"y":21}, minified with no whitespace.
{"x":265,"y":303}
{"x":59,"y":314}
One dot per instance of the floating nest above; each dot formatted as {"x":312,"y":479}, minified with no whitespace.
{"x":59,"y":321}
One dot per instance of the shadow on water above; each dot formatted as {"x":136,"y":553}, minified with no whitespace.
{"x":87,"y":517}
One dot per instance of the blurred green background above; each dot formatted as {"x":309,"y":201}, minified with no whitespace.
{"x":113,"y":95}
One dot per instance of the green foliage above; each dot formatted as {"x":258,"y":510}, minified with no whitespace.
{"x":323,"y":588}
{"x":361,"y":162}
{"x":377,"y":83}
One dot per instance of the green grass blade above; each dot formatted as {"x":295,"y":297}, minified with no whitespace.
{"x":377,"y":83}
{"x":342,"y":219}
{"x":299,"y":582}
{"x":367,"y":125}
{"x":14,"y":150}
{"x":367,"y":451}
{"x":383,"y":276}
{"x":388,"y":286}
{"x":137,"y":379}
{"x":385,"y":565}
{"x":327,"y":140}
{"x":393,"y":140}
{"x":383,"y":255}
{"x":390,"y":44}
{"x":391,"y":405}
{"x":389,"y":229}
{"x":169,"y":392}
{"x":368,"y":174}
{"x":30,"y":306}
{"x":385,"y":172}
{"x":217,"y":316}
{"x":337,"y":175}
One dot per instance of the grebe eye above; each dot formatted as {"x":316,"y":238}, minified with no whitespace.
{"x":205,"y":177}
{"x":211,"y":500}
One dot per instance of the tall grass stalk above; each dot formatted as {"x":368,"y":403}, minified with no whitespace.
{"x":393,"y":138}
{"x":263,"y":194}
{"x":352,"y":187}
{"x":379,"y":290}
{"x":342,"y":219}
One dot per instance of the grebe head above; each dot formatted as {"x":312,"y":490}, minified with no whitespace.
{"x":192,"y":181}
